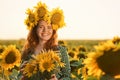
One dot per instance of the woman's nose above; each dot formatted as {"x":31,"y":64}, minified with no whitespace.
{"x":45,"y":29}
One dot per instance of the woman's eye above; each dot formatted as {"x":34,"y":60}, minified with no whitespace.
{"x":40,"y":27}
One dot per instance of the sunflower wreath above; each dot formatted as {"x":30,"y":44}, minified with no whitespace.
{"x":41,"y":12}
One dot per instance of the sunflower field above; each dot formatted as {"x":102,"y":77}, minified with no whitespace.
{"x":89,"y":59}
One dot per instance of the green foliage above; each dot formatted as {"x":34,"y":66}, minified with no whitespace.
{"x":14,"y":75}
{"x":91,"y":78}
{"x":19,"y":43}
{"x":87,"y":43}
{"x":71,"y":45}
{"x":75,"y":66}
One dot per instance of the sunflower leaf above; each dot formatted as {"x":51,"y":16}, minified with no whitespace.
{"x":14,"y":74}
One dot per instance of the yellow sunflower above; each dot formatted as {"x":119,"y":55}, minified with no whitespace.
{"x":92,"y":65}
{"x":57,"y":18}
{"x":48,"y":60}
{"x":81,"y":48}
{"x":30,"y":68}
{"x":46,"y":64}
{"x":105,"y":60}
{"x":116,"y":40}
{"x":31,"y":19}
{"x":7,"y":72}
{"x":41,"y":10}
{"x":43,"y":54}
{"x":62,"y":43}
{"x":10,"y":57}
{"x":117,"y":77}
{"x":54,"y":55}
{"x":83,"y":71}
{"x":47,"y":18}
{"x":72,"y":61}
{"x":2,"y":48}
{"x":72,"y":53}
{"x":105,"y":46}
{"x":73,"y":76}
{"x":58,"y":60}
{"x":0,"y":56}
{"x":0,"y":70}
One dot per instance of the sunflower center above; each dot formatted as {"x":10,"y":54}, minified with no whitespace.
{"x":56,"y":18}
{"x":72,"y":54}
{"x":46,"y":65}
{"x":10,"y":58}
{"x":31,"y":69}
{"x":1,"y":50}
{"x":110,"y":62}
{"x":32,"y":18}
{"x":41,"y":12}
{"x":82,"y":49}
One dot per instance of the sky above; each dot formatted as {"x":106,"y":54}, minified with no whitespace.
{"x":85,"y":19}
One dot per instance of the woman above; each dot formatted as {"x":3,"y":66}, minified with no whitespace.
{"x":43,"y":36}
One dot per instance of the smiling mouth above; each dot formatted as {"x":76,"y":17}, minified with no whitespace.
{"x":45,"y":34}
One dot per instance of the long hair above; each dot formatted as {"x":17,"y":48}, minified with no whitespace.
{"x":33,"y":40}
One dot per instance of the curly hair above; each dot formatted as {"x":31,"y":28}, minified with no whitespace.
{"x":33,"y":40}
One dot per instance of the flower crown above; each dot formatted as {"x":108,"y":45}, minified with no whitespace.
{"x":40,"y":12}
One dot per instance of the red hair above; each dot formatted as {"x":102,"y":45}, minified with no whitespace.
{"x":33,"y":40}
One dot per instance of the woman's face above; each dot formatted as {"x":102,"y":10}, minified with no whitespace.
{"x":44,"y":30}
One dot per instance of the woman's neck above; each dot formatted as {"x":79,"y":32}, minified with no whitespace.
{"x":40,"y":46}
